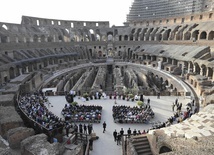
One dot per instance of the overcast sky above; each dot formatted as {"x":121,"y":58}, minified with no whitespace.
{"x":114,"y":11}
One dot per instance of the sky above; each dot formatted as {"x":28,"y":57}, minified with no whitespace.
{"x":114,"y":11}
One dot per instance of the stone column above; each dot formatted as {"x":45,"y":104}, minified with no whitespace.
{"x":194,"y":68}
{"x":201,"y":71}
{"x":182,"y":69}
{"x":213,"y":74}
{"x":27,"y":71}
{"x":147,"y":57}
{"x":188,"y":68}
{"x":20,"y":71}
{"x":159,"y":65}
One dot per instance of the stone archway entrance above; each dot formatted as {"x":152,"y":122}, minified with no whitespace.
{"x":164,"y":149}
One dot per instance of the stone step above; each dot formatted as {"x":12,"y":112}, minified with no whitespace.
{"x":140,"y":137}
{"x":147,"y":153}
{"x":140,"y":142}
{"x":143,"y":151}
{"x":142,"y":147}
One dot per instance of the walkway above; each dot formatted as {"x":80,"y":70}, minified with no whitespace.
{"x":105,"y":145}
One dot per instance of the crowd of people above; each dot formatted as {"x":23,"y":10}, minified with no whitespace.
{"x":119,"y":134}
{"x":81,"y":128}
{"x":33,"y":105}
{"x":179,"y":114}
{"x":127,"y":114}
{"x":82,"y":113}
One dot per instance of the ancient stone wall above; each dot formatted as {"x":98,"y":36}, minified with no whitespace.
{"x":9,"y":119}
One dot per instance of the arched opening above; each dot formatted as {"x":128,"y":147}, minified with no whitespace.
{"x":211,"y":35}
{"x":35,"y":38}
{"x":131,"y":37}
{"x":4,"y":39}
{"x":126,"y":38}
{"x":187,"y":36}
{"x":210,"y":72}
{"x":110,"y":36}
{"x":166,"y":34}
{"x":195,"y":35}
{"x":166,"y":83}
{"x":60,"y":38}
{"x":120,"y":38}
{"x":203,"y":35}
{"x":204,"y":70}
{"x":100,"y":53}
{"x":197,"y":68}
{"x":90,"y":51}
{"x":42,"y":38}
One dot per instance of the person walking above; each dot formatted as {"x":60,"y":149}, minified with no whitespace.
{"x":115,"y":135}
{"x":104,"y":127}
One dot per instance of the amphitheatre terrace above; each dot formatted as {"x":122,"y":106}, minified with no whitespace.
{"x":171,"y":56}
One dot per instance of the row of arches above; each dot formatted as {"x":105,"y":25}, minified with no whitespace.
{"x":186,"y":32}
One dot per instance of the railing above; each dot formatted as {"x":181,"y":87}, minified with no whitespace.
{"x":36,"y":126}
{"x":39,"y":128}
{"x":73,"y":139}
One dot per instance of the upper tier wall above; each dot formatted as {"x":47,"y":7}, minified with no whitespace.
{"x":26,"y":20}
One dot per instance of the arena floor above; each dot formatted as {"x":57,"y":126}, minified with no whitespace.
{"x":105,"y":145}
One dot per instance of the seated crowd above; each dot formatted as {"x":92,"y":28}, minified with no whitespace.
{"x":127,"y":114}
{"x":82,"y":113}
{"x":34,"y":108}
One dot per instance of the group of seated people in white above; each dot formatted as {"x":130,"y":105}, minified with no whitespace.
{"x":82,"y":113}
{"x":127,"y":114}
{"x":33,"y":105}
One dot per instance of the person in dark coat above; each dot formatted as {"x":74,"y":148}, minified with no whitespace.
{"x":129,"y":132}
{"x":118,"y":138}
{"x":104,"y":127}
{"x":85,"y":128}
{"x":121,"y":131}
{"x":115,"y":135}
{"x":90,"y":128}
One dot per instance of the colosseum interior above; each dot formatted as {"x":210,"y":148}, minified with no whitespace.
{"x":144,"y":56}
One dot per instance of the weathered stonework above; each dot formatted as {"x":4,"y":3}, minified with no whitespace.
{"x":87,"y":55}
{"x":7,"y":100}
{"x":193,"y":136}
{"x":16,"y":135}
{"x":9,"y":119}
{"x":38,"y":144}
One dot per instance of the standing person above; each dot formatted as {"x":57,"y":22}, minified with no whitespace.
{"x":115,"y":135}
{"x":67,"y":129}
{"x":158,"y":96}
{"x":148,"y":101}
{"x":173,"y":107}
{"x":118,"y":138}
{"x":90,"y":128}
{"x":129,"y":131}
{"x":104,"y":127}
{"x":121,"y":132}
{"x":85,"y":129}
{"x":80,"y":128}
{"x":134,"y":132}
